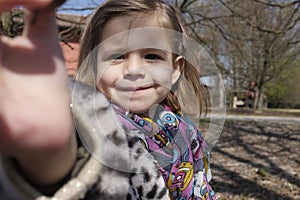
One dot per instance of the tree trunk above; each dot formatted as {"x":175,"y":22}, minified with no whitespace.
{"x":259,"y":105}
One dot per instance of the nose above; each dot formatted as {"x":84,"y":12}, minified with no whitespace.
{"x":134,"y":65}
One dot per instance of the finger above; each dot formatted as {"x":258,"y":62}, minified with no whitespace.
{"x":42,"y":21}
{"x":30,"y":4}
{"x":54,"y":4}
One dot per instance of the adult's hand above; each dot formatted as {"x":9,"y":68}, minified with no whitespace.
{"x":30,"y":4}
{"x":35,"y":119}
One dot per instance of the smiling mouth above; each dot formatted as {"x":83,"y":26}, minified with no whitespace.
{"x":134,"y":89}
{"x":142,"y":88}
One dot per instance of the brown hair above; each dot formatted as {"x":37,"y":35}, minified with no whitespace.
{"x":179,"y":97}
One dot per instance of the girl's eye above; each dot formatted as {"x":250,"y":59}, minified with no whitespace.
{"x":152,"y":57}
{"x":116,"y":57}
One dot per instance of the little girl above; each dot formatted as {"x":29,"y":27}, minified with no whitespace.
{"x":141,"y":68}
{"x":135,"y":52}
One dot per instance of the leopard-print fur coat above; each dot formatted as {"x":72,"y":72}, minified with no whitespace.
{"x":91,"y":179}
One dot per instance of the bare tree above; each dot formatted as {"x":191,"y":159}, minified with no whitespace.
{"x":249,"y":39}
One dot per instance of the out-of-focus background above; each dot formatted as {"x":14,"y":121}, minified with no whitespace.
{"x":255,"y":46}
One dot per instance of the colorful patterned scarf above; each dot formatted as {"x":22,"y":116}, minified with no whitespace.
{"x":179,"y":149}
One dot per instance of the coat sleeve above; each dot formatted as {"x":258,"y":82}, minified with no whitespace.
{"x":13,"y":186}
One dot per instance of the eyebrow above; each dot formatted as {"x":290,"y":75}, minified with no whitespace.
{"x":105,"y":53}
{"x":154,"y":49}
{"x":112,"y":51}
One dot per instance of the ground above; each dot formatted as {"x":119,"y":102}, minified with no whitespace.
{"x":257,"y":158}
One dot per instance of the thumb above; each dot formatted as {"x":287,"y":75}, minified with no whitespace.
{"x":40,"y":24}
{"x":29,"y":4}
{"x":8,"y":4}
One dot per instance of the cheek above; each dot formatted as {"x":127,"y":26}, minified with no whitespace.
{"x":163,"y":92}
{"x":106,"y":82}
{"x":108,"y":76}
{"x":163,"y":77}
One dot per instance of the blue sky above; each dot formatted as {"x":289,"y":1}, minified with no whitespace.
{"x":77,"y":6}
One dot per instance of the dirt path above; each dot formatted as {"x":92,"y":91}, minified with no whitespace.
{"x":257,"y":159}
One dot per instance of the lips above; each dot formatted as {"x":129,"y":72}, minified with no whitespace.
{"x":142,"y":88}
{"x":133,"y":89}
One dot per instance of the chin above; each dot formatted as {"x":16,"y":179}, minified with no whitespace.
{"x":137,"y":110}
{"x":134,"y":108}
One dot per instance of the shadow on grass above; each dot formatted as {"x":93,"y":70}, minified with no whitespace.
{"x":252,"y":157}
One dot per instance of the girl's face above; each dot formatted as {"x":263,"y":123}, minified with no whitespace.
{"x":134,"y":77}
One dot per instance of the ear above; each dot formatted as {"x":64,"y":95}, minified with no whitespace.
{"x":177,"y":67}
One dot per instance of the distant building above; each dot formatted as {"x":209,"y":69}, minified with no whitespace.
{"x":71,"y":53}
{"x":70,"y":28}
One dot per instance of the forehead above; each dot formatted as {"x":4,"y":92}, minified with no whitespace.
{"x":134,"y":32}
{"x":120,"y":24}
